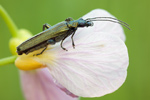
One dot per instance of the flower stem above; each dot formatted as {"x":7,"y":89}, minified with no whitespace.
{"x":7,"y":60}
{"x":11,"y":25}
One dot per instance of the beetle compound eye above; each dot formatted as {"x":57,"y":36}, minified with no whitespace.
{"x":90,"y":23}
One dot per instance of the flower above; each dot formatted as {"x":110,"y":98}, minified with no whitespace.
{"x":97,"y":66}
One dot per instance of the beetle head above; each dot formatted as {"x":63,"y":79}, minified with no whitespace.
{"x":83,"y":23}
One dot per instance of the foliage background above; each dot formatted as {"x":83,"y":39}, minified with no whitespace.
{"x":32,"y":14}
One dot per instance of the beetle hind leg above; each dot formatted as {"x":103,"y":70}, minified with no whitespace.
{"x":40,"y":52}
{"x":69,"y":19}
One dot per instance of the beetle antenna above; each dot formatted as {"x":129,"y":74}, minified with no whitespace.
{"x":109,"y":19}
{"x":114,"y":22}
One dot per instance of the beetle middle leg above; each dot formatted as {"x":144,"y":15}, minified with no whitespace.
{"x":46,"y":25}
{"x":62,"y":43}
{"x":73,"y":40}
{"x":73,"y":33}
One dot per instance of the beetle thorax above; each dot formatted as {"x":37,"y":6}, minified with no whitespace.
{"x":72,"y":24}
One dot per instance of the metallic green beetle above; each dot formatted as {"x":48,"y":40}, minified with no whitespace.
{"x":58,"y":32}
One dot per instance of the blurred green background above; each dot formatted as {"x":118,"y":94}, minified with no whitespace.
{"x":32,"y":14}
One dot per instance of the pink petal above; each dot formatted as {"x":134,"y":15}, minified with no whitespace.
{"x":104,"y":26}
{"x":37,"y":85}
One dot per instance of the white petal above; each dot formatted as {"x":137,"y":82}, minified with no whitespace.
{"x":104,"y":26}
{"x":38,"y":85}
{"x":97,"y":66}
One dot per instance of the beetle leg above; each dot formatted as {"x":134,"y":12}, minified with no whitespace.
{"x":73,"y":40}
{"x":46,"y":25}
{"x":40,"y":52}
{"x":69,"y":19}
{"x":50,"y":41}
{"x":62,"y":43}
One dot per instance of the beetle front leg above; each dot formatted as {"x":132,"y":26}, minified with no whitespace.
{"x":46,"y":25}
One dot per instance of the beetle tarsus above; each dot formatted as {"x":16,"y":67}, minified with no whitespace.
{"x":73,"y":45}
{"x":64,"y":48}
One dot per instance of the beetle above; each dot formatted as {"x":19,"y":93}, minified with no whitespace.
{"x":59,"y":32}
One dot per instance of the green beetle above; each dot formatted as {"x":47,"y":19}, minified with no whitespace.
{"x":57,"y":33}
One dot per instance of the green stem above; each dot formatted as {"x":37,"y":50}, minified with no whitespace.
{"x":8,"y":60}
{"x":11,"y":25}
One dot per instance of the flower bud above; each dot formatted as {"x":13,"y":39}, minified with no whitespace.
{"x":23,"y":34}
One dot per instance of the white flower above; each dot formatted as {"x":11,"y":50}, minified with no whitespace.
{"x":97,"y":66}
